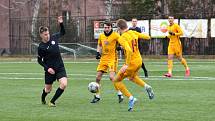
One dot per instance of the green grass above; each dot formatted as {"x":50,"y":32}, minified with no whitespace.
{"x":177,"y":99}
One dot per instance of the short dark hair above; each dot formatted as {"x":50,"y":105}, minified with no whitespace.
{"x":108,"y":23}
{"x":43,"y":29}
{"x":122,"y":24}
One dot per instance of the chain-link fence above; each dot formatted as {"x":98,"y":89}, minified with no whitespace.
{"x":80,"y":28}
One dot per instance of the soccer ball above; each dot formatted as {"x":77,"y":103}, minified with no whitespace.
{"x":93,"y":87}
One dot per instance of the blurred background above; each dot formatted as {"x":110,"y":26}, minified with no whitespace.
{"x":20,"y":20}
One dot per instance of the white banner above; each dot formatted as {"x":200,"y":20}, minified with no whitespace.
{"x":213,"y":27}
{"x":194,"y":27}
{"x":159,"y":27}
{"x":99,"y":28}
{"x":143,"y":24}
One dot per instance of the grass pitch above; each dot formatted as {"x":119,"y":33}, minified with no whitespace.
{"x":176,"y":99}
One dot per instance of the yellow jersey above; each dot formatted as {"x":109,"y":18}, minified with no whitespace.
{"x":175,"y":39}
{"x":129,"y":41}
{"x":108,"y":44}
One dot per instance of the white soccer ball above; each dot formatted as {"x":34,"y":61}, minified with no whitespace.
{"x":93,"y":87}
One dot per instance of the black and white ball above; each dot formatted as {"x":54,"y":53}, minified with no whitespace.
{"x":93,"y":87}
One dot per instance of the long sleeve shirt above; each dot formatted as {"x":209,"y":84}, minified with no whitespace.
{"x":49,"y":53}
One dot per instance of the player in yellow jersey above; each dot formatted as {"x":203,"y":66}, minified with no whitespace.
{"x":175,"y":47}
{"x":106,"y":52}
{"x":133,"y":61}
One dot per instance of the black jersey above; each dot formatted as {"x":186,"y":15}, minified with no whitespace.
{"x":49,"y":53}
{"x":137,"y":29}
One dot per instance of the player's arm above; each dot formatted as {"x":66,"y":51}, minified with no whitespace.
{"x":99,"y":48}
{"x":143,"y":36}
{"x":179,"y":31}
{"x":40,"y":59}
{"x":118,"y":46}
{"x":62,"y":29}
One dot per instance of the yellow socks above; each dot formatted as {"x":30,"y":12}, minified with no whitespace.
{"x":122,"y":88}
{"x":138,"y":81}
{"x":170,"y":66}
{"x":184,"y":62}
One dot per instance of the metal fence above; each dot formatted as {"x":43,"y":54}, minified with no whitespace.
{"x":23,"y":25}
{"x":79,"y":29}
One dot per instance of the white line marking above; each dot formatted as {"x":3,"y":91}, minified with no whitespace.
{"x":121,"y":62}
{"x":92,"y":77}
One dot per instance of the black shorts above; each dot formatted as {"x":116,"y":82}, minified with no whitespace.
{"x":50,"y":78}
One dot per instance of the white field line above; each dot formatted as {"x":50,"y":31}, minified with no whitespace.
{"x":148,"y":62}
{"x":92,"y":77}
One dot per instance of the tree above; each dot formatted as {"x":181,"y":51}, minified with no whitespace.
{"x":137,"y":8}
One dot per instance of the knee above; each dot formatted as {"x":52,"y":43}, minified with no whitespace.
{"x":98,"y":78}
{"x":48,"y":89}
{"x":179,"y":58}
{"x":112,"y":78}
{"x":131,"y":79}
{"x":170,"y":58}
{"x":63,"y":84}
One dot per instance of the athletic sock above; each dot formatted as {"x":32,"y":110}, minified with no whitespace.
{"x":58,"y":93}
{"x":143,"y":67}
{"x":170,"y":66}
{"x":119,"y":92}
{"x":184,"y":62}
{"x":138,"y":81}
{"x":123,"y":89}
{"x":44,"y":94}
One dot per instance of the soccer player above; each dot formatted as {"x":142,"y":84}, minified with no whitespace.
{"x":133,"y":61}
{"x":137,"y":29}
{"x":50,"y":58}
{"x":175,"y":47}
{"x":106,"y":52}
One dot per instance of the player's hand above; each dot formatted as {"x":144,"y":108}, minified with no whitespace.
{"x":118,"y":48}
{"x":171,"y":33}
{"x":60,"y":19}
{"x":98,"y":55}
{"x":123,"y":69}
{"x":51,"y":71}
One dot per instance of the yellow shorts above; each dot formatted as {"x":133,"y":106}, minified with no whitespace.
{"x":105,"y":65}
{"x":175,"y":50}
{"x":130,"y":72}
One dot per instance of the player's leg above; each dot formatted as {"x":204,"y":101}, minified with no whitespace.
{"x":46,"y":90}
{"x":184,"y":62}
{"x":59,"y":91}
{"x":170,"y":61}
{"x":119,"y":93}
{"x":102,"y":68}
{"x":96,"y":97}
{"x":61,"y":76}
{"x":145,"y":70}
{"x":49,"y":79}
{"x":112,"y":69}
{"x":136,"y":79}
{"x":121,"y":86}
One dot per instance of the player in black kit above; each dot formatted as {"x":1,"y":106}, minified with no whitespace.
{"x":49,"y":57}
{"x":137,"y":29}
